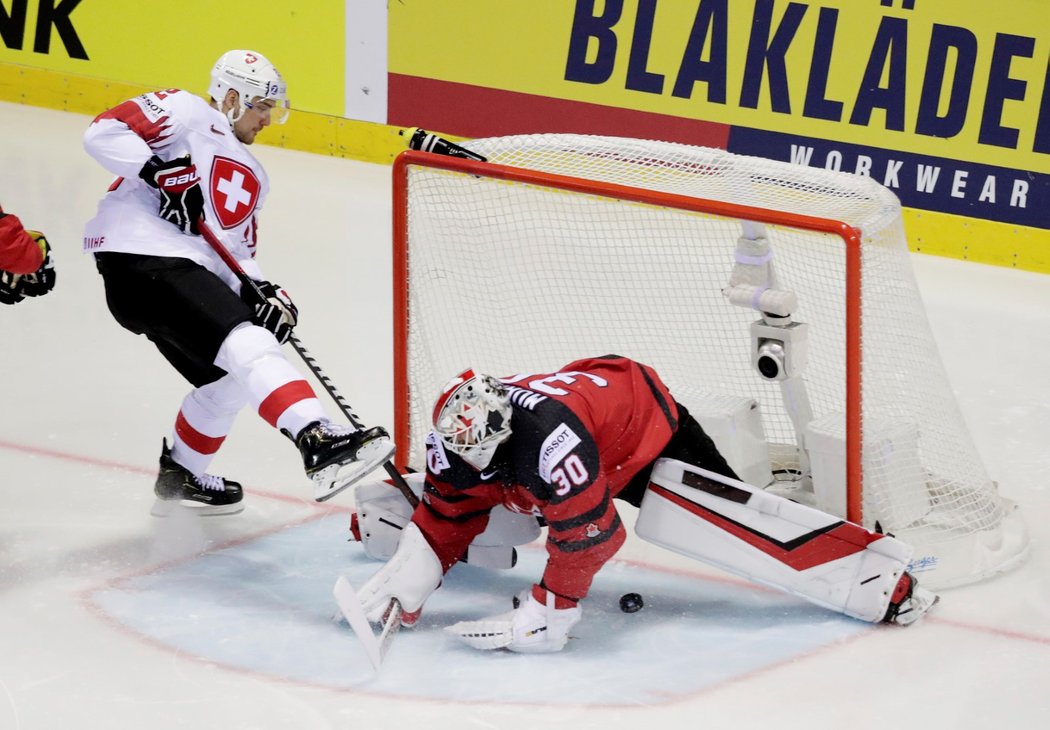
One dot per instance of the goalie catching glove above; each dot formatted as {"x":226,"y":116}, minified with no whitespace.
{"x":272,"y":309}
{"x":537,"y":625}
{"x":179,"y":185}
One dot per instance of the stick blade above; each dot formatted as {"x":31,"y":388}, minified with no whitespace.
{"x":350,"y":607}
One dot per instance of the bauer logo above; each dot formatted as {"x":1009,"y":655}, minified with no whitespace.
{"x":234,"y":191}
{"x":560,"y":442}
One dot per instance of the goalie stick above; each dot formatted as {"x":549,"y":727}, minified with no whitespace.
{"x":311,"y":363}
{"x":376,"y":647}
{"x":420,"y":139}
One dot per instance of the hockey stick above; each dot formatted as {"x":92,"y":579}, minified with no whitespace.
{"x":376,"y":647}
{"x":420,"y":139}
{"x":311,"y":363}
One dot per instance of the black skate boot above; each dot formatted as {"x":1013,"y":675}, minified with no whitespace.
{"x":205,"y":495}
{"x":336,"y":457}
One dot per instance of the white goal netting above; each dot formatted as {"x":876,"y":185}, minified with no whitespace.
{"x":509,"y":276}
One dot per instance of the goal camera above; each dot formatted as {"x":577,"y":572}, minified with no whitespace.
{"x":778,"y":350}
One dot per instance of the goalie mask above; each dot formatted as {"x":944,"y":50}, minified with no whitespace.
{"x":251,"y":76}
{"x":472,"y":417}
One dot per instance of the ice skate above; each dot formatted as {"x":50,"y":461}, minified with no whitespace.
{"x":909,"y":603}
{"x":337,"y":457}
{"x":206,"y":495}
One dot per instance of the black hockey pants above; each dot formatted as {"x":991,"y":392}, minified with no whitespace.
{"x":184,"y":309}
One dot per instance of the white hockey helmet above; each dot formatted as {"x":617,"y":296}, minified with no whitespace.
{"x":251,"y":75}
{"x":472,"y":417}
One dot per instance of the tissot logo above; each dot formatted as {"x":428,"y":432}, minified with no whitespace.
{"x":234,"y":191}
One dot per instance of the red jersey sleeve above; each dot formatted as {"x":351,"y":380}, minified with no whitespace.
{"x":450,"y":519}
{"x":19,"y":253}
{"x":584,"y":531}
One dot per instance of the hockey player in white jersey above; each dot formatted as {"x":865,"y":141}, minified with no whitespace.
{"x":179,"y":158}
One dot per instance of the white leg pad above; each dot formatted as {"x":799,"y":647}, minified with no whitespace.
{"x":383,"y":512}
{"x":771,"y":540}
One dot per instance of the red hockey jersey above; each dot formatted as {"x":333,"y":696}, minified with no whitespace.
{"x":578,"y":436}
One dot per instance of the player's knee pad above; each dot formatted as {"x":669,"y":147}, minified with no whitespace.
{"x":245,"y":348}
{"x":771,"y":540}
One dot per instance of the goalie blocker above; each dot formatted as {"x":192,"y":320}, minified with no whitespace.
{"x":780,"y":543}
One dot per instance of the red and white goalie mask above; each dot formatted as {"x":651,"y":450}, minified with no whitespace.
{"x":472,"y":417}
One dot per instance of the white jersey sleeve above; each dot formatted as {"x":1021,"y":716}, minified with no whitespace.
{"x":123,"y":154}
{"x":172,"y":124}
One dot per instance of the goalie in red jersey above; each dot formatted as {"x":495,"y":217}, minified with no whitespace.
{"x":561,"y":446}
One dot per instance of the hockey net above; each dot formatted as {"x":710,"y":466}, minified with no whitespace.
{"x":567,"y":246}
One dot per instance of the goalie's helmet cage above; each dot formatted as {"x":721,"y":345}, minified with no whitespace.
{"x":472,"y":417}
{"x":252,"y":76}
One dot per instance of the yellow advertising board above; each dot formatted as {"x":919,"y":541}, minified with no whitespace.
{"x":174,"y":44}
{"x":946,"y":103}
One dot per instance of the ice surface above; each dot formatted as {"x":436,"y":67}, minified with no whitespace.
{"x":110,"y":618}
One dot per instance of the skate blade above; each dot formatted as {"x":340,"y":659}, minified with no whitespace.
{"x":331,"y":480}
{"x":168,"y":507}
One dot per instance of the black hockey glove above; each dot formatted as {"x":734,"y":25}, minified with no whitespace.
{"x":179,"y":185}
{"x":16,"y":287}
{"x":275,"y":312}
{"x":10,"y":288}
{"x":41,"y":281}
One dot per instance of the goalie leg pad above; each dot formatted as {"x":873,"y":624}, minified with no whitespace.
{"x":771,"y":540}
{"x":383,"y":512}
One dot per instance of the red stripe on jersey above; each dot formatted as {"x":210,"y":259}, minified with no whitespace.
{"x":570,"y":574}
{"x":814,"y":548}
{"x":131,"y":114}
{"x":282,"y":398}
{"x":196,"y":440}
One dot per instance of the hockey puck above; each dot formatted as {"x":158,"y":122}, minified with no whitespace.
{"x":631,"y":602}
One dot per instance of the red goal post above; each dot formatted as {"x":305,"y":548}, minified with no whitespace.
{"x":474,"y":244}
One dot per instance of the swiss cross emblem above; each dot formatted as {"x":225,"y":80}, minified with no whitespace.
{"x":234,"y":191}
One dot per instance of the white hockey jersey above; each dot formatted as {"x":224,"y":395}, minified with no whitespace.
{"x":171,"y":124}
